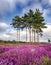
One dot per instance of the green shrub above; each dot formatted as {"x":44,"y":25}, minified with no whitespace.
{"x":46,"y":61}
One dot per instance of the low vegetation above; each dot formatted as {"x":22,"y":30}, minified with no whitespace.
{"x":39,"y":54}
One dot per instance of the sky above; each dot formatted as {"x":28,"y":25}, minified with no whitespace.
{"x":11,"y":8}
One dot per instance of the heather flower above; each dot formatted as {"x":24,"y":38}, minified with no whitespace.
{"x":26,"y":55}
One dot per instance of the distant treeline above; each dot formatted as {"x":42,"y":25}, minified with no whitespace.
{"x":13,"y":41}
{"x":20,"y":42}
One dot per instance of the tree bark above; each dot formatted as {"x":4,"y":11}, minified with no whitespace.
{"x":37,"y":37}
{"x":19,"y":34}
{"x":30,"y":35}
{"x":34,"y":36}
{"x":26,"y":34}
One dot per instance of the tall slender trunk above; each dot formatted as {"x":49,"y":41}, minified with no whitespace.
{"x":19,"y":34}
{"x":34,"y":36}
{"x":30,"y":34}
{"x":26,"y":34}
{"x":37,"y":37}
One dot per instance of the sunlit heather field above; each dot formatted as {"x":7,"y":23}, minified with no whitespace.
{"x":25,"y":54}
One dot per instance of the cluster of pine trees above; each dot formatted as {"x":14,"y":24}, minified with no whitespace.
{"x":32,"y":21}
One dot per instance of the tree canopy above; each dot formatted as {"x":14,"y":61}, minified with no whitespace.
{"x":33,"y":21}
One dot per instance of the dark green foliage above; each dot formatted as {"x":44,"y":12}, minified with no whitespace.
{"x":46,"y":61}
{"x":49,"y":40}
{"x":33,"y":21}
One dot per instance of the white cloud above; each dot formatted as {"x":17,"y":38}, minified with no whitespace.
{"x":45,"y":11}
{"x":8,"y":33}
{"x":34,"y":6}
{"x":46,"y":33}
{"x":10,"y":5}
{"x":6,"y":6}
{"x":3,"y":26}
{"x":48,"y":30}
{"x":37,"y":5}
{"x":48,"y":2}
{"x":44,"y":1}
{"x":11,"y":34}
{"x":24,"y":1}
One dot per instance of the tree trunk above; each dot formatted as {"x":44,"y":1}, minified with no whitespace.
{"x":34,"y":36}
{"x":26,"y":34}
{"x":37,"y":37}
{"x":19,"y":34}
{"x":30,"y":34}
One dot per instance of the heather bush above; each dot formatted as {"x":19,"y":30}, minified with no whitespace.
{"x":27,"y":55}
{"x":3,"y":50}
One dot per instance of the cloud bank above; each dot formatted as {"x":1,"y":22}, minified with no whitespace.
{"x":11,"y":6}
{"x":10,"y":33}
